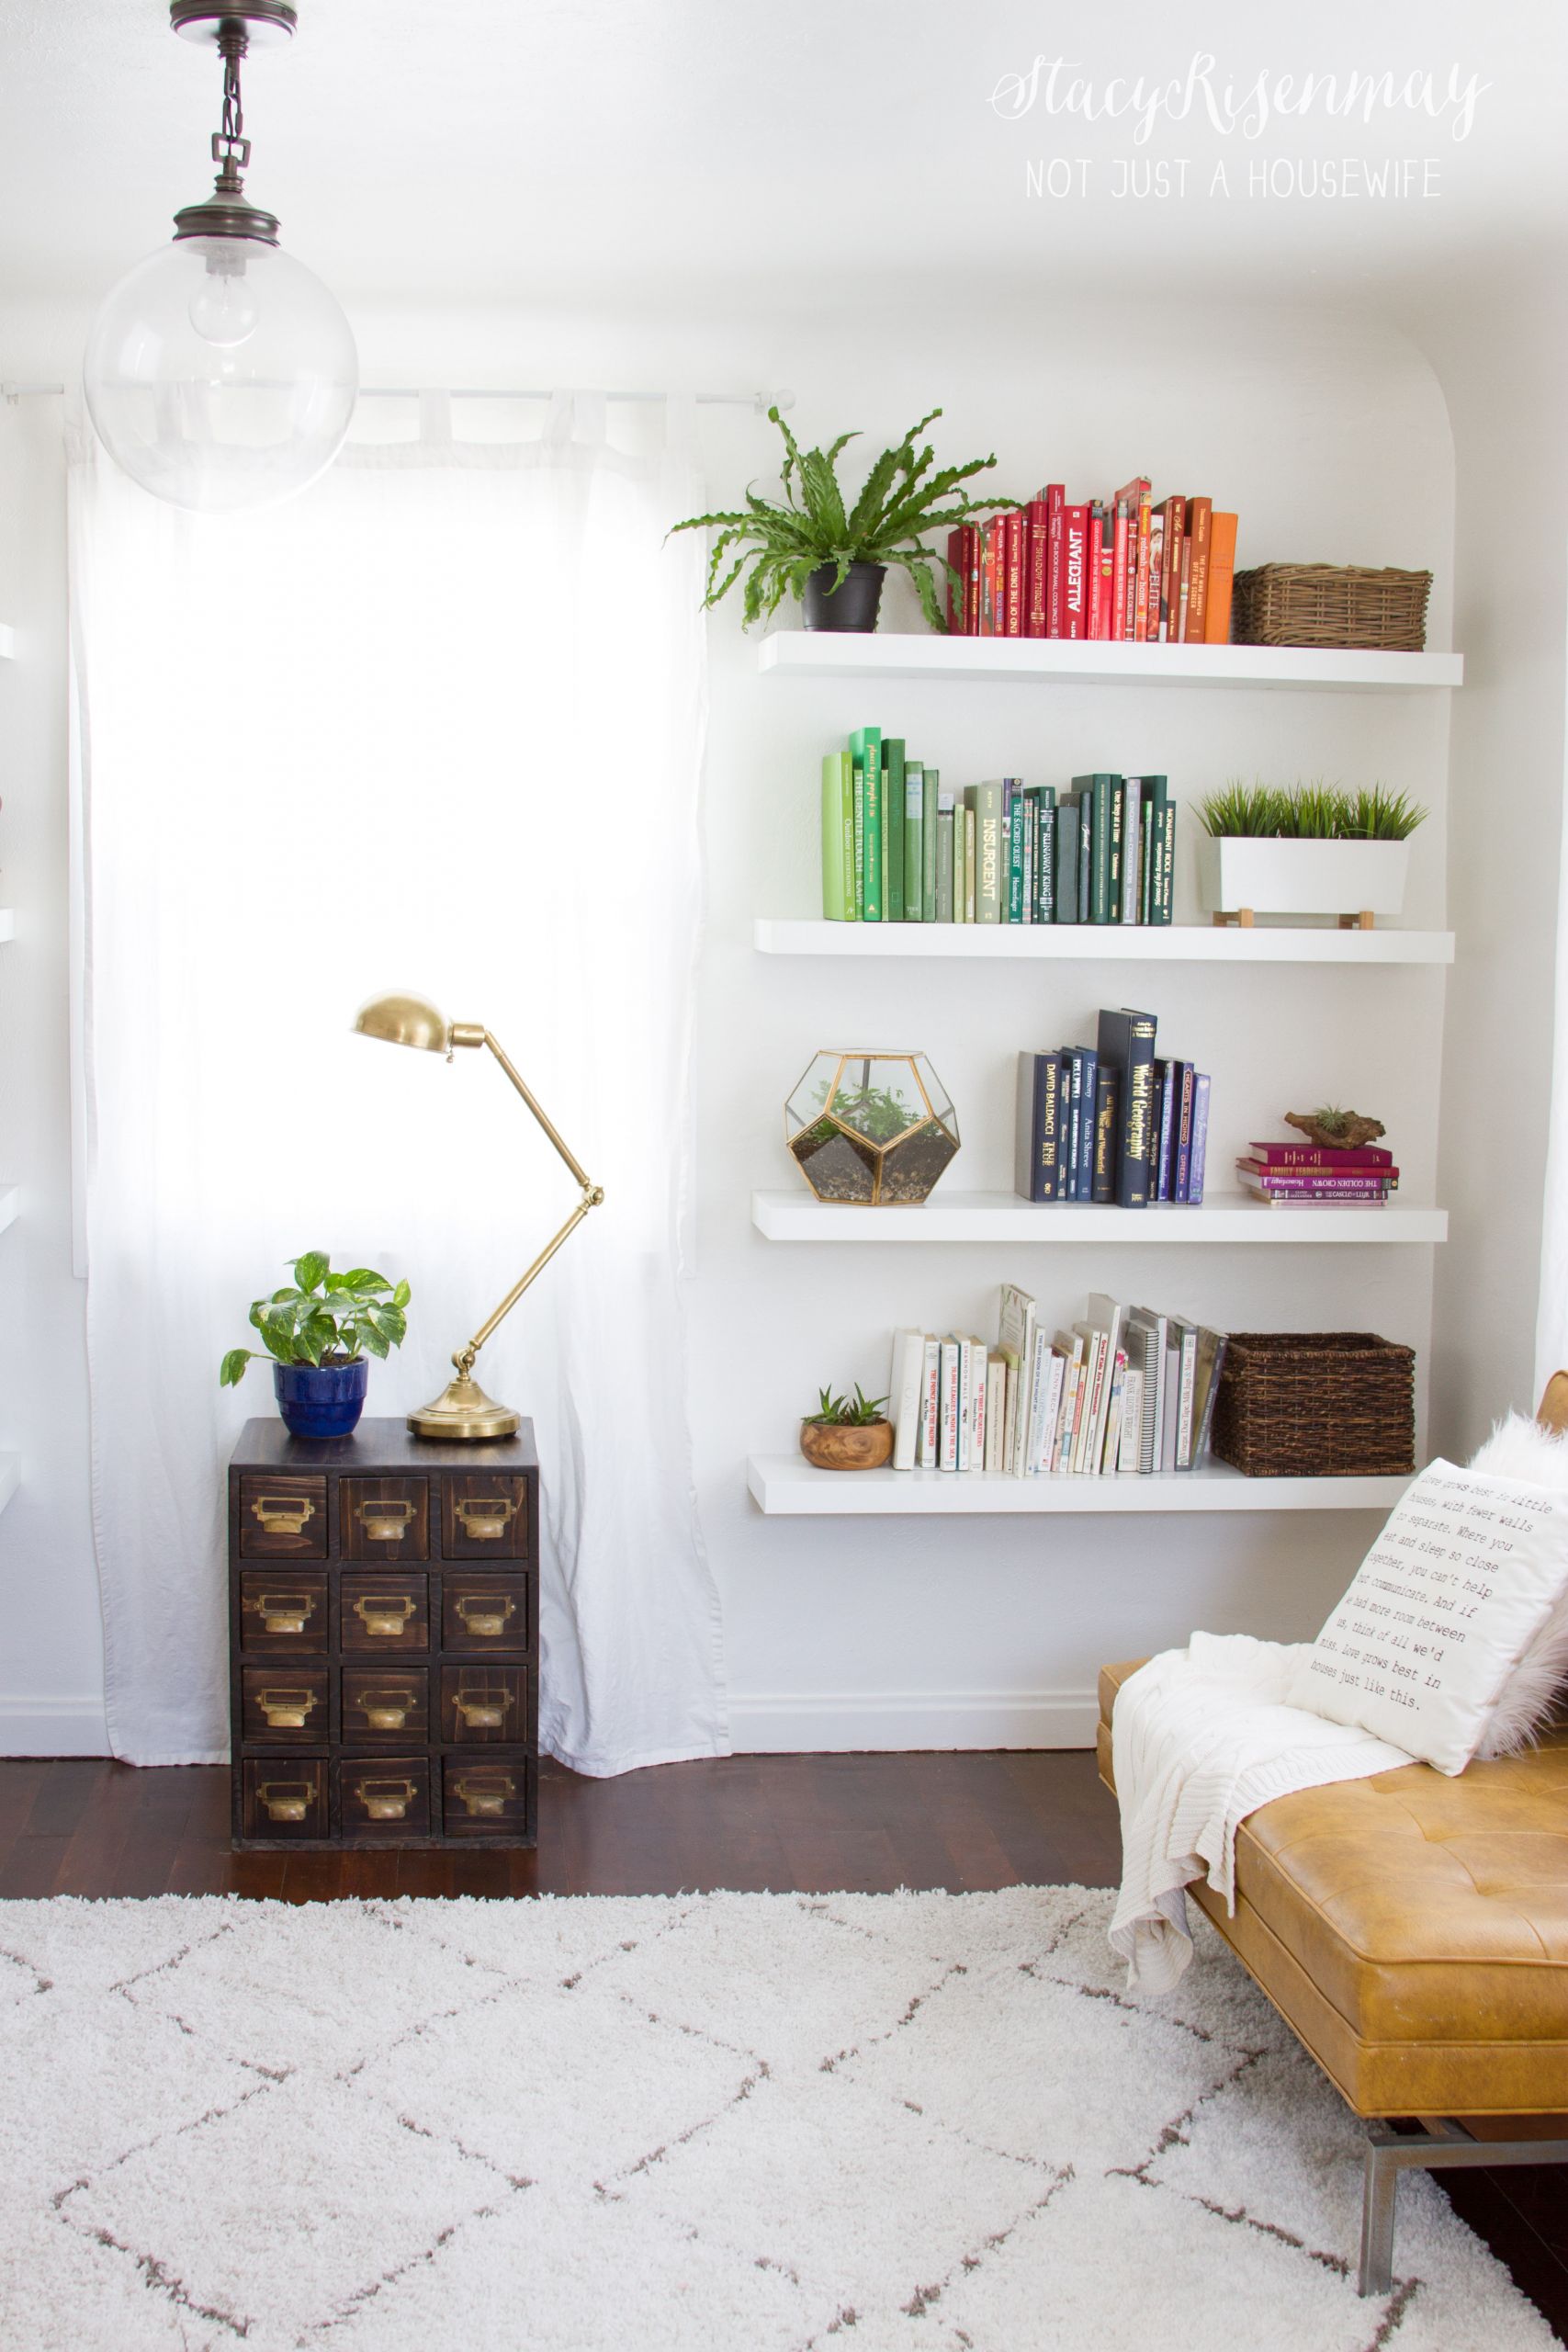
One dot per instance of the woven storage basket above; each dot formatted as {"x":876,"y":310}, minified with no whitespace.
{"x":1331,"y":604}
{"x":1316,"y":1404}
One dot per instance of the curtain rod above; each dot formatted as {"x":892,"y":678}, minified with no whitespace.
{"x":758,"y":403}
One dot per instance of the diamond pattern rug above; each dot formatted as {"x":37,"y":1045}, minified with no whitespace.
{"x":756,"y":2123}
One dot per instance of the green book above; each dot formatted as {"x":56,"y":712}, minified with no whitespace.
{"x":930,"y":792}
{"x":1132,"y":792}
{"x":1113,"y":911}
{"x":892,"y":826}
{"x":857,"y":787}
{"x":1068,"y":858}
{"x":990,"y":882}
{"x":962,"y":833}
{"x":838,"y":838}
{"x":1146,"y":874}
{"x":1046,"y":855}
{"x":914,"y":840}
{"x":866,"y":743}
{"x":1013,"y":789}
{"x":1167,"y":863}
{"x":944,"y":859}
{"x":1097,"y":800}
{"x":1159,"y":835}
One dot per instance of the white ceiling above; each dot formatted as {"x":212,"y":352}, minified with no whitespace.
{"x":725,"y":157}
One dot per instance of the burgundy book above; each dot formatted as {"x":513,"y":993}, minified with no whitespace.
{"x":1075,"y":570}
{"x":1012,"y":558}
{"x":1055,"y":561}
{"x":1199,"y":511}
{"x":1035,"y":568}
{"x":1317,"y":1180}
{"x":1118,"y":627}
{"x":963,"y":593}
{"x":1175,"y":513}
{"x":1312,"y":1155}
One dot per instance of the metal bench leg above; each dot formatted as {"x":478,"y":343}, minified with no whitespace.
{"x":1379,"y":2193}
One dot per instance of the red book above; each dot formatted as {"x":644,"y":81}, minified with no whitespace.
{"x":1141,"y":570}
{"x":1055,"y":562}
{"x":1036,"y":567}
{"x":990,"y":555}
{"x":1118,"y":627}
{"x":1107,"y":569}
{"x":1095,"y":623}
{"x":1199,"y":511}
{"x":1343,"y":1192}
{"x":963,"y":593}
{"x":1175,"y":513}
{"x":1075,"y":570}
{"x":1312,"y":1155}
{"x":1318,"y":1179}
{"x":1012,"y":558}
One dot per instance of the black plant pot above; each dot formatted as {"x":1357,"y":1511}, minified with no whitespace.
{"x":852,"y":605}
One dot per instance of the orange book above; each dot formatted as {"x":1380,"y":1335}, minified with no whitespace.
{"x":1222,"y":571}
{"x":1198,"y":514}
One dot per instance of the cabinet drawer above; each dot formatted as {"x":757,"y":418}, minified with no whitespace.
{"x":283,"y":1613}
{"x":385,"y":1704}
{"x":383,"y":1609}
{"x":484,"y":1800}
{"x":484,"y":1703}
{"x":482,"y":1613}
{"x":382,"y":1799}
{"x":285,"y":1704}
{"x":384,"y":1518}
{"x":484,"y":1516}
{"x":283,"y":1517}
{"x":284,"y":1796}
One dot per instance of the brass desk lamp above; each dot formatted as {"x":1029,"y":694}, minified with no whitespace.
{"x":462,"y":1410}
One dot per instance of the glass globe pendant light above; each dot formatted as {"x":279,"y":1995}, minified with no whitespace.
{"x":221,"y":374}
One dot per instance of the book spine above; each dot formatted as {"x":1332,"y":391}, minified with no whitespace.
{"x":964,"y":856}
{"x":1016,"y":810}
{"x":931,"y":784}
{"x":838,"y":838}
{"x":1118,"y":627}
{"x":1132,"y":846}
{"x":1089,"y":1091}
{"x":858,"y":792}
{"x":1201,"y":511}
{"x":988,"y":804}
{"x":1045,"y":857}
{"x":1092,"y":623}
{"x":1066,"y":859}
{"x":948,"y":1410}
{"x":893,"y":824}
{"x":1097,"y":796}
{"x":962,"y":619}
{"x":963,"y":1450}
{"x":1183,"y":1187}
{"x":1031,"y":798}
{"x":1157,"y":574}
{"x":1015,"y":541}
{"x":1141,"y":586}
{"x":931,"y":1421}
{"x":1147,"y":864}
{"x":1186,"y":588}
{"x":1369,"y":1183}
{"x":914,"y":842}
{"x":944,"y":858}
{"x":1036,"y":569}
{"x":1200,"y":1136}
{"x":1103,"y":1184}
{"x":1167,"y":861}
{"x":1222,"y":575}
{"x":1294,"y":1155}
{"x":1185,"y":1398}
{"x":1086,"y":852}
{"x":1075,"y":579}
{"x":1165,"y":1079}
{"x":1127,"y":1040}
{"x":978,"y":1373}
{"x":971,"y":854}
{"x":1055,"y":561}
{"x":1170,"y":570}
{"x":904,"y":1394}
{"x":872,"y":768}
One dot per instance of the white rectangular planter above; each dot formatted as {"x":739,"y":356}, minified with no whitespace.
{"x":1301,"y":877}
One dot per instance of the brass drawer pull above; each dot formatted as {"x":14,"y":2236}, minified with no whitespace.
{"x":485,"y":1795}
{"x":385,"y":1800}
{"x":384,"y":1615}
{"x":485,"y":1519}
{"x":283,"y":1514}
{"x":286,"y":1709}
{"x":283,"y":1612}
{"x":484,"y":1710}
{"x":285,"y":1800}
{"x":484,"y":1614}
{"x":385,"y":1522}
{"x":385,"y":1710}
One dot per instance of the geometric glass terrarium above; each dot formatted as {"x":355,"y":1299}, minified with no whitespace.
{"x":872,"y":1129}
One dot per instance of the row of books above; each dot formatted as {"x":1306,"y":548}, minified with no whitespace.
{"x":1291,"y":1175}
{"x":1121,"y":568}
{"x":898,"y":847}
{"x":1111,"y":1122}
{"x":1124,"y":1392}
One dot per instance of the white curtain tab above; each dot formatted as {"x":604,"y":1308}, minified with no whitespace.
{"x":436,"y":725}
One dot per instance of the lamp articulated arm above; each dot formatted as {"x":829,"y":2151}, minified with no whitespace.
{"x":471,"y":1032}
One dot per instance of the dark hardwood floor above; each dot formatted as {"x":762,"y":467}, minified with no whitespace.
{"x":798,"y":1824}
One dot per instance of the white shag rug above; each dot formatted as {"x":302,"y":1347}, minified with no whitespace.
{"x":755,"y":2124}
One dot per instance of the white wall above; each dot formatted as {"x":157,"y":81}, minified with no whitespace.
{"x":1330,"y":438}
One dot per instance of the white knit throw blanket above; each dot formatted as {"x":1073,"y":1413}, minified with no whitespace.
{"x":1199,"y":1739}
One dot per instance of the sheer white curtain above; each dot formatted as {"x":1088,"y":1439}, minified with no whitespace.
{"x":436,"y":725}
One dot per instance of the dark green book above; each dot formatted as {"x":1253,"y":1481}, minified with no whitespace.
{"x":1168,"y":864}
{"x":1147,"y":868}
{"x":1013,"y":789}
{"x":1046,"y":854}
{"x":892,"y":825}
{"x":866,"y":746}
{"x":1068,"y":858}
{"x":1158,"y":840}
{"x":914,"y":840}
{"x":1131,"y":847}
{"x":931,"y":784}
{"x":945,"y":912}
{"x":1098,"y":791}
{"x":1086,"y":836}
{"x":1114,"y":912}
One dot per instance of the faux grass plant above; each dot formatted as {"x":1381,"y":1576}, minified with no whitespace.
{"x":1309,"y":812}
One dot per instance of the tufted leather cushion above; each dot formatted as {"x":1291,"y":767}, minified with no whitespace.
{"x":1412,"y":1928}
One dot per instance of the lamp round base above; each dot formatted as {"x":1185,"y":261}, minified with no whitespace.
{"x":464,"y":1414}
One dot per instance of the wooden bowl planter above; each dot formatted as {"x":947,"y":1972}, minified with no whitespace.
{"x":1243,"y":874}
{"x":839,"y":1445}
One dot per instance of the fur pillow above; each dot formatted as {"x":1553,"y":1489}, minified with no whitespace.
{"x":1518,"y":1448}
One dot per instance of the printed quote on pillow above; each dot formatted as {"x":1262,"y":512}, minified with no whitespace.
{"x":1439,"y":1614}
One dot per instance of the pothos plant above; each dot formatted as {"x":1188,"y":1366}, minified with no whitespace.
{"x":779,"y":546}
{"x":324,"y":1318}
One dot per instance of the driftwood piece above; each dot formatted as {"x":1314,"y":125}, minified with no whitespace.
{"x":1345,"y":1131}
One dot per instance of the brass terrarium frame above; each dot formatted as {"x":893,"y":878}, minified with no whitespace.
{"x":868,"y":1149}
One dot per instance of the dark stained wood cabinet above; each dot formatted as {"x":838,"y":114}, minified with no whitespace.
{"x":390,"y":1695}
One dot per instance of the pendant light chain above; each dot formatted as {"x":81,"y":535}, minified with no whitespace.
{"x":230,"y":148}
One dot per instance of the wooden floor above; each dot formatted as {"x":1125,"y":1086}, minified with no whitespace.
{"x":799,"y":1824}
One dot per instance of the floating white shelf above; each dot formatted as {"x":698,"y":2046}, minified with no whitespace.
{"x":1002,"y":1216}
{"x":1083,"y":943}
{"x":782,"y":1484}
{"x":10,"y":1202}
{"x":818,"y":653}
{"x":7,"y":642}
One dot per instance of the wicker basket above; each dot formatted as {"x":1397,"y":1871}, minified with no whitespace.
{"x":1316,"y":1404}
{"x":1331,"y":604}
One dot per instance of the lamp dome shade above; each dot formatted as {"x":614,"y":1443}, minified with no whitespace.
{"x":405,"y":1020}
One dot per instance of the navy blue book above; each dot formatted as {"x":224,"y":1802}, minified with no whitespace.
{"x":1037,"y":1150}
{"x":1105,"y":1132}
{"x":1126,"y":1041}
{"x":1086,"y":1078}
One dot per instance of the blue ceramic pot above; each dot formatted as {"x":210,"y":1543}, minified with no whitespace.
{"x":320,"y":1400}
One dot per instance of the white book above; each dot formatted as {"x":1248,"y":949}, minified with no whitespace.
{"x":1106,"y":1466}
{"x":965,"y":1401}
{"x":949,"y":1408}
{"x":1015,"y":1336}
{"x":1171,"y":1403}
{"x":1072,"y":1349}
{"x":1186,"y":1334}
{"x":979,"y":1365}
{"x":1054,"y":1371}
{"x":1129,"y":1458}
{"x":1104,"y":1314}
{"x":930,"y":1406}
{"x":1090,"y":1389}
{"x":1039,"y":1399}
{"x":996,"y":1411}
{"x":905,"y":1383}
{"x":1149,"y":1329}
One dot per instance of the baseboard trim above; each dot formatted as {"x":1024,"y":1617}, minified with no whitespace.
{"x":53,"y":1727}
{"x":785,"y":1723}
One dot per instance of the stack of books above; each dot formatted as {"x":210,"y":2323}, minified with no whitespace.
{"x":1124,"y":1392}
{"x":1111,"y":1122}
{"x":1118,"y":568}
{"x":898,"y":846}
{"x":1291,"y":1175}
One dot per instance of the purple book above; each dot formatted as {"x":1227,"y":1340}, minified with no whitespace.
{"x":1199,"y":1135}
